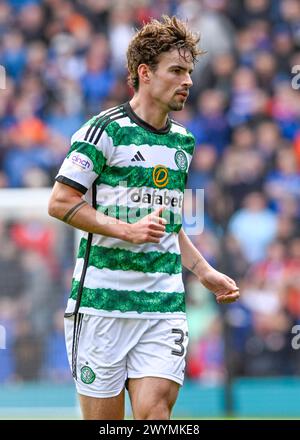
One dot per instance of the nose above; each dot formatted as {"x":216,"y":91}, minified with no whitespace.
{"x":188,"y":81}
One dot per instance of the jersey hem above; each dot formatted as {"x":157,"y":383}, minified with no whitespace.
{"x":117,"y":314}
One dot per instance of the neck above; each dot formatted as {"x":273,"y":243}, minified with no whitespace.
{"x":148,"y":111}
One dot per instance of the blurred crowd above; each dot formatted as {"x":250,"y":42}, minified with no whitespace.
{"x":65,"y":61}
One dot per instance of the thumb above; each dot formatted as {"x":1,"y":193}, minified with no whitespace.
{"x":159,"y":211}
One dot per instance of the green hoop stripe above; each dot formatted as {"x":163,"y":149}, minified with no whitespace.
{"x":135,"y":135}
{"x":123,"y":259}
{"x":140,"y":177}
{"x":130,"y":301}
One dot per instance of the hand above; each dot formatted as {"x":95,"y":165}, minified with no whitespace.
{"x":223,"y":287}
{"x":149,"y":229}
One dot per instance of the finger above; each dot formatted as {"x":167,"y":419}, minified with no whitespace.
{"x":156,"y":234}
{"x":225,"y":292}
{"x":158,"y":220}
{"x":157,"y":227}
{"x":233,"y":296}
{"x":230,"y":286}
{"x":231,"y":292}
{"x":225,"y":299}
{"x":231,"y":281}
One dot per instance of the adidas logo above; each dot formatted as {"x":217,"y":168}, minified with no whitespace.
{"x":138,"y":157}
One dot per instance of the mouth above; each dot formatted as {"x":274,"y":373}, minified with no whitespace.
{"x":184,"y":94}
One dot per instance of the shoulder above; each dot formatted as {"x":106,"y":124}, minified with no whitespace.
{"x":183,"y":136}
{"x":176,"y":127}
{"x":94,"y":128}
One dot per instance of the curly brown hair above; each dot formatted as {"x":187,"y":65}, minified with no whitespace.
{"x":155,"y":38}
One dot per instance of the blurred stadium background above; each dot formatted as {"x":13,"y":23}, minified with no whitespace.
{"x":64,"y":61}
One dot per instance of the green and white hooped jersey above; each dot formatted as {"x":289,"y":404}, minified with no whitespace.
{"x":136,"y":169}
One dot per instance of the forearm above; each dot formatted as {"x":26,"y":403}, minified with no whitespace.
{"x":79,"y":214}
{"x":221,"y":285}
{"x":191,"y":258}
{"x":90,"y":220}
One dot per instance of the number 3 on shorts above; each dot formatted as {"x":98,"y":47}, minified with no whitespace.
{"x":179,"y":341}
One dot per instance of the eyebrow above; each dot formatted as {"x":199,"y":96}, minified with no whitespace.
{"x":177,"y":66}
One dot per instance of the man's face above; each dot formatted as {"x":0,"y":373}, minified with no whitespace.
{"x":170,"y":82}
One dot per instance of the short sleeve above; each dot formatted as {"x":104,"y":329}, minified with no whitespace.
{"x":85,"y":160}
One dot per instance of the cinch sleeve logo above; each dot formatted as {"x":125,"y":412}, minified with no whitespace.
{"x":160,"y":176}
{"x":81,"y":160}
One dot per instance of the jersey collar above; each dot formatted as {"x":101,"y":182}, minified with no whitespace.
{"x":134,"y":117}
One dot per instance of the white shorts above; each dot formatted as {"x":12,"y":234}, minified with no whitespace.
{"x":107,"y":351}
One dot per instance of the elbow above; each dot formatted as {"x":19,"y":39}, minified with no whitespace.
{"x":61,"y":200}
{"x":53,"y":208}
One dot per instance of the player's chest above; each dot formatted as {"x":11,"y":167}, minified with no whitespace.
{"x":146,"y":156}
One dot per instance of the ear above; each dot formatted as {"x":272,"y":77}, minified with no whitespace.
{"x":144,"y":73}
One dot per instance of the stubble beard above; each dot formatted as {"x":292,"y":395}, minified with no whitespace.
{"x":176,"y":106}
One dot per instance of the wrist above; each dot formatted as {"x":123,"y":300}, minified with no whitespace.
{"x":112,"y":227}
{"x":125,"y":231}
{"x":201,"y":269}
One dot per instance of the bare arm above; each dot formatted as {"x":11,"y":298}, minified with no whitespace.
{"x":221,"y":285}
{"x":66,"y":204}
{"x":190,"y":256}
